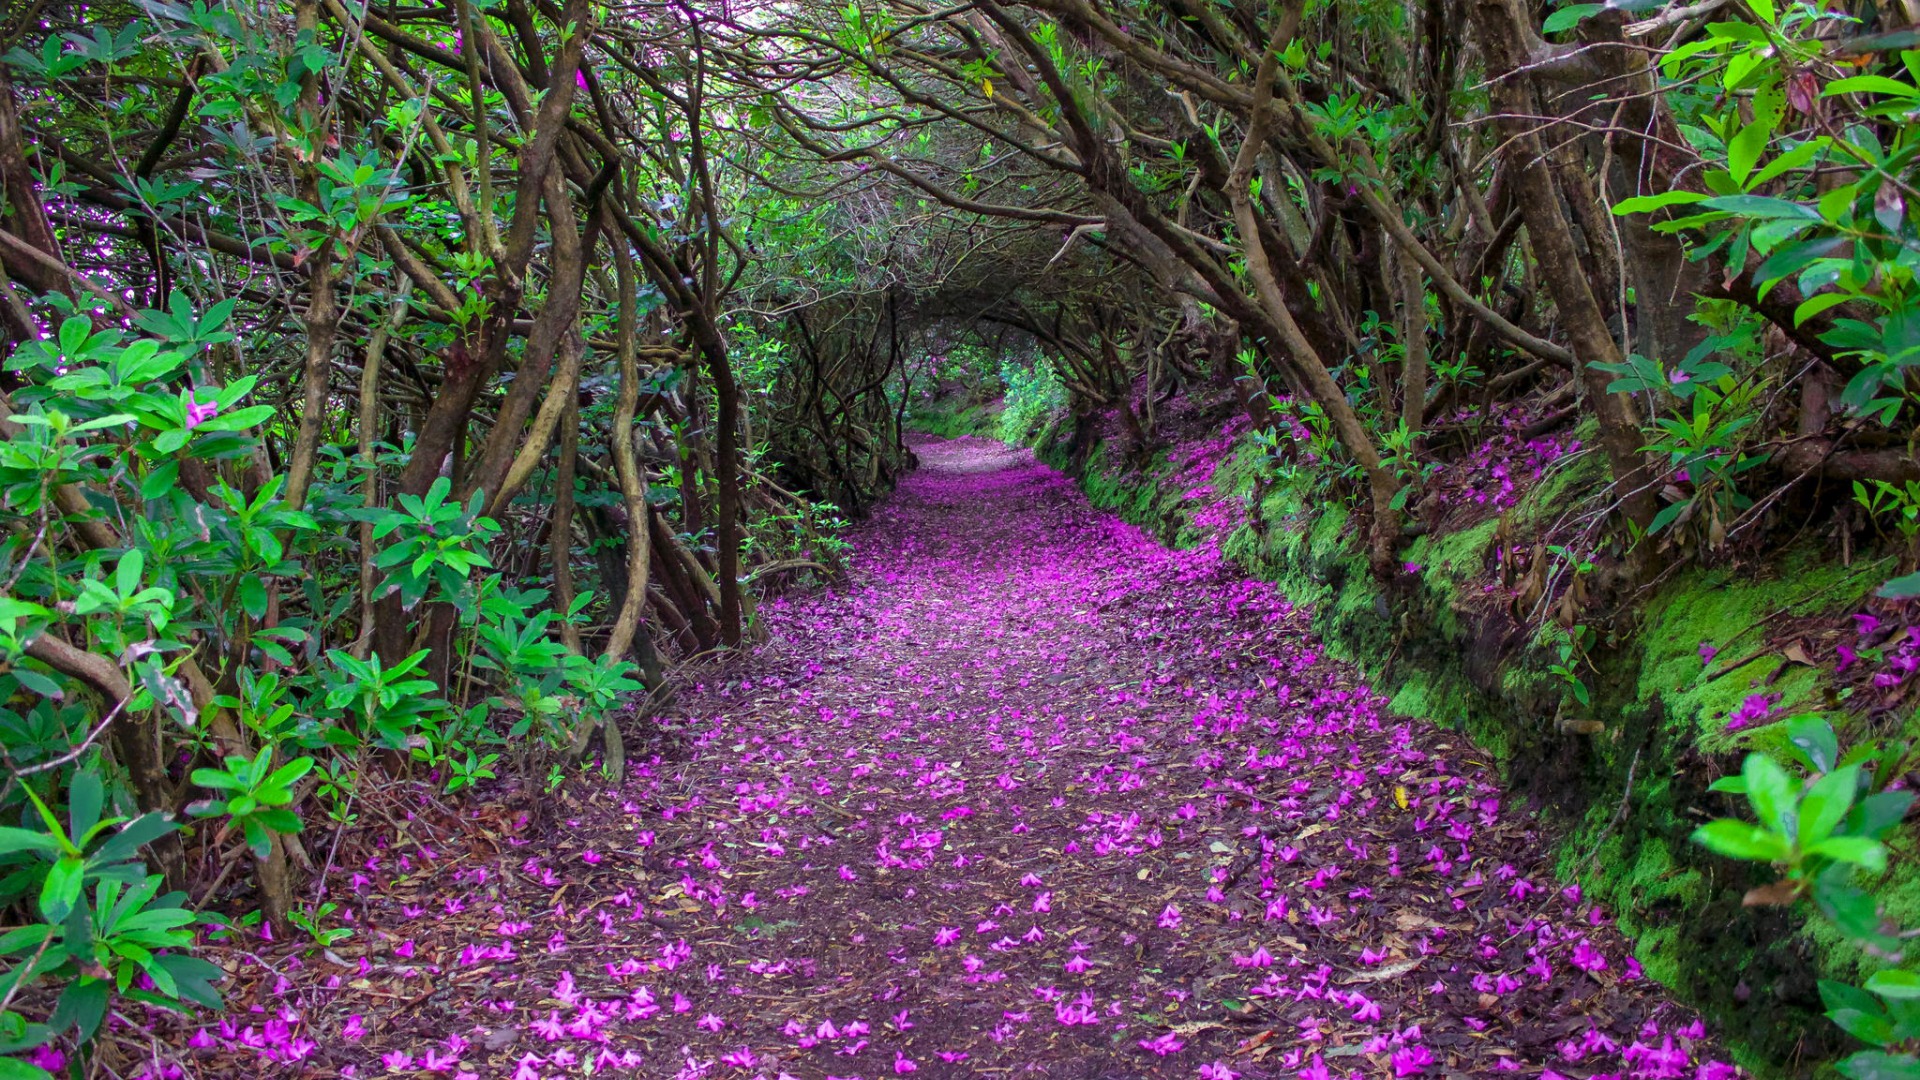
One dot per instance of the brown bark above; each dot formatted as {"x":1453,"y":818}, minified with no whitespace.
{"x":1413,"y":344}
{"x":472,"y":362}
{"x":28,"y":219}
{"x":1501,"y":42}
{"x":1646,"y":135}
{"x":1347,"y":424}
{"x":488,"y":471}
{"x":560,"y":534}
{"x":561,"y":396}
{"x":1821,"y":457}
{"x":633,"y":482}
{"x":323,"y":324}
{"x":726,"y":449}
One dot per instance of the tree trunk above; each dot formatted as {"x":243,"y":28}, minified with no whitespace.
{"x":626,"y":466}
{"x":560,"y":535}
{"x":1413,"y":346}
{"x":1501,"y":42}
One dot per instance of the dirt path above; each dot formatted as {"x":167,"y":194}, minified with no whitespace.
{"x":1031,"y":796}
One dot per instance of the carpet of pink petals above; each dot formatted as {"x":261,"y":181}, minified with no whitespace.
{"x":1029,"y":795}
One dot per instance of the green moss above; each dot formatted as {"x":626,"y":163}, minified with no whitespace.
{"x":1623,"y":802}
{"x":1565,"y":485}
{"x":953,"y":419}
{"x":1711,"y":607}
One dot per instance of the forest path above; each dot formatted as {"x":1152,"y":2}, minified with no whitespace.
{"x":1031,"y":795}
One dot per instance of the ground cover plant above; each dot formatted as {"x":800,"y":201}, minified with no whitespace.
{"x":458,"y":517}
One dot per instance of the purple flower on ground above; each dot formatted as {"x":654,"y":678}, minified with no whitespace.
{"x":1411,"y":1060}
{"x":1166,"y":1043}
{"x":1756,"y":708}
{"x":1588,"y":958}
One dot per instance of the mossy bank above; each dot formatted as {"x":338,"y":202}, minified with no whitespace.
{"x":1621,"y":782}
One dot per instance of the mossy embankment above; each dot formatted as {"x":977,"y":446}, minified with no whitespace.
{"x":953,"y":419}
{"x":1620,"y":782}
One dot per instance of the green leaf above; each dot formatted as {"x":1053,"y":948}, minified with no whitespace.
{"x":61,"y":891}
{"x":1761,"y":206}
{"x":253,"y":596}
{"x":217,"y":780}
{"x":15,"y":1069}
{"x":1867,"y":1027}
{"x":1744,"y":149}
{"x":289,"y":774}
{"x":82,"y":1006}
{"x":1878,"y":1065}
{"x":1771,"y":791}
{"x":1667,"y":515}
{"x":1849,"y":908}
{"x":126,"y":576}
{"x":1839,"y":995}
{"x":1896,"y":984}
{"x":1825,"y":805}
{"x":1793,"y":159}
{"x":239,"y":419}
{"x":1815,"y":738}
{"x":259,"y":841}
{"x":14,"y":840}
{"x":22,"y":939}
{"x":76,"y":331}
{"x":1790,"y":259}
{"x":143,"y":362}
{"x":1857,"y":1011}
{"x":39,"y":684}
{"x":161,"y":482}
{"x":1877,"y":813}
{"x":280,"y":820}
{"x":1870,"y":84}
{"x":193,"y":977}
{"x":1857,"y":850}
{"x":1567,"y":17}
{"x":114,"y":420}
{"x":1901,"y":588}
{"x":1641,"y":204}
{"x":1739,"y":840}
{"x":135,"y":835}
{"x":1814,"y":305}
